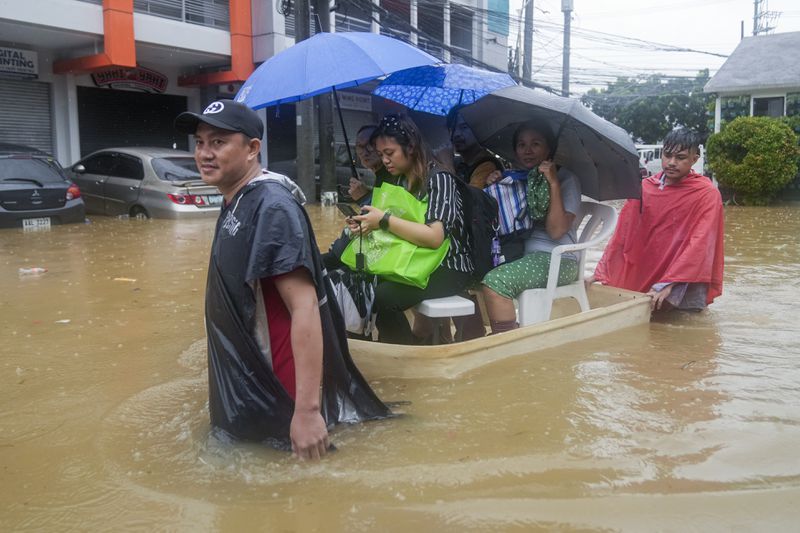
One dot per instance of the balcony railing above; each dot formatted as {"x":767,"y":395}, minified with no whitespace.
{"x":347,"y":23}
{"x":212,"y":13}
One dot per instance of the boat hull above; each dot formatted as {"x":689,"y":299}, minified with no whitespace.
{"x":612,"y":309}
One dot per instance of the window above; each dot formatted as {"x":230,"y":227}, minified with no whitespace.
{"x":396,"y":22}
{"x":461,"y":35}
{"x":430,"y":19}
{"x":99,"y":164}
{"x":35,"y":168}
{"x":126,"y":166}
{"x":768,"y":107}
{"x":176,"y":168}
{"x":353,"y":17}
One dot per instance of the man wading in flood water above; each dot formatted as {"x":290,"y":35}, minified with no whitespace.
{"x":670,"y":244}
{"x":275,"y":334}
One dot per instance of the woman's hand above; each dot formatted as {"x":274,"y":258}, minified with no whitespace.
{"x":548,"y":168}
{"x":352,"y":225}
{"x":357,"y":190}
{"x":369,"y":220}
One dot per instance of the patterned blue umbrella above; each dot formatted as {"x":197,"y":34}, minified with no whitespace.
{"x":437,"y":89}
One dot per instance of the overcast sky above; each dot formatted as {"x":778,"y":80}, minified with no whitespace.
{"x":705,"y":25}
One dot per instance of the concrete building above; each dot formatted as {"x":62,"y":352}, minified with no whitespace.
{"x":78,"y":75}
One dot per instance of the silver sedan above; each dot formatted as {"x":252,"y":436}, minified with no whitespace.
{"x":144,"y":182}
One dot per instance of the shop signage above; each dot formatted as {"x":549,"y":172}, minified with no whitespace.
{"x":140,"y":78}
{"x":355,"y":101}
{"x":20,"y":63}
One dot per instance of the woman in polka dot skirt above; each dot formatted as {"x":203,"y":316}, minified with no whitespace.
{"x":553,"y":216}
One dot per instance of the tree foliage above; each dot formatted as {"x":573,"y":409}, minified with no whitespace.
{"x":652,"y":106}
{"x":754,"y":156}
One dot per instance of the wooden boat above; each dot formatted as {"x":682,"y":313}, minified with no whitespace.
{"x":612,"y":309}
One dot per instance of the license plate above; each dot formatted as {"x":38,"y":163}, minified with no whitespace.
{"x":36,"y":223}
{"x":214,"y":199}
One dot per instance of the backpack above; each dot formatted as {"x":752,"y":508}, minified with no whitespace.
{"x":480,"y":221}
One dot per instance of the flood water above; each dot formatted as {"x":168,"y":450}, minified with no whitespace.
{"x":687,"y":424}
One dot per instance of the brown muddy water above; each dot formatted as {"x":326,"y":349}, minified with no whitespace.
{"x":687,"y":424}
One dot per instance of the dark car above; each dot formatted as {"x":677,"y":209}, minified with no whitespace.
{"x":34,"y":191}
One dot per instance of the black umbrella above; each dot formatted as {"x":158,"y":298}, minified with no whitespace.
{"x":600,"y":153}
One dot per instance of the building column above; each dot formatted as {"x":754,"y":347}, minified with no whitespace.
{"x":480,"y":29}
{"x":65,"y":119}
{"x":717,"y":114}
{"x":374,"y":26}
{"x":413,"y":21}
{"x":446,"y":21}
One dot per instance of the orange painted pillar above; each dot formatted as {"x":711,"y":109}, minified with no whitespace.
{"x":242,"y":66}
{"x":119,"y":42}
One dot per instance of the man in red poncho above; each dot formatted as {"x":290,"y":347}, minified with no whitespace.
{"x":669,"y":244}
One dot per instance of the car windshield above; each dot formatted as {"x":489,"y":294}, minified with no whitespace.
{"x":27,"y":168}
{"x":176,"y":168}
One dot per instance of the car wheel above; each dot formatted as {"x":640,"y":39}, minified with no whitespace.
{"x":139,"y":212}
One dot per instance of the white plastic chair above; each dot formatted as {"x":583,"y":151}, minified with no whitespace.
{"x":445,"y":308}
{"x":535,"y":305}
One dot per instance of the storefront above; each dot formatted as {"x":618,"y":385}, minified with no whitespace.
{"x":25,"y":102}
{"x":128,"y":107}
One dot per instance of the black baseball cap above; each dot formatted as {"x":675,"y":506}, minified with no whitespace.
{"x":223,"y":114}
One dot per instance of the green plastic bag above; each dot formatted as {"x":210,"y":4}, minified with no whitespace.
{"x":538,"y":195}
{"x":390,"y":256}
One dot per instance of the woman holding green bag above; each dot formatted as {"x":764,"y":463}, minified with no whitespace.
{"x":420,"y":223}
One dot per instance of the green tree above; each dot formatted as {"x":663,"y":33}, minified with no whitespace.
{"x":651,"y":106}
{"x":755,"y":157}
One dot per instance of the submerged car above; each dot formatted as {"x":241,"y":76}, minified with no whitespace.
{"x":144,"y":182}
{"x":34,"y":190}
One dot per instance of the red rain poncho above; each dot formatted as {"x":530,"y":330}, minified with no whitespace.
{"x":674,"y":235}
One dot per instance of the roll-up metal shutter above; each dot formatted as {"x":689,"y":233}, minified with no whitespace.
{"x":109,"y":118}
{"x":25,"y":112}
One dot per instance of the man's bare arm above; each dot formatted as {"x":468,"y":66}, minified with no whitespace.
{"x":308,"y":432}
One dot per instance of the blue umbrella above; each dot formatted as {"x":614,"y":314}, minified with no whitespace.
{"x":327,"y":62}
{"x":437,"y":89}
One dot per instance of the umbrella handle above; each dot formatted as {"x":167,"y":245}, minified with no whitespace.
{"x":344,"y":132}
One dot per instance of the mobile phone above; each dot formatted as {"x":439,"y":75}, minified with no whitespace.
{"x":346,"y":209}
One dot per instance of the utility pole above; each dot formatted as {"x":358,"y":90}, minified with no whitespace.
{"x":324,"y":102}
{"x":304,"y":112}
{"x":527,"y":58}
{"x":755,"y":16}
{"x":763,"y":20}
{"x":566,"y":7}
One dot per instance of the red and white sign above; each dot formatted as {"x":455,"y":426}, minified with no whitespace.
{"x":139,"y":78}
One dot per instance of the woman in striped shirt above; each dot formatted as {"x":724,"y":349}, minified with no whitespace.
{"x":406,"y":156}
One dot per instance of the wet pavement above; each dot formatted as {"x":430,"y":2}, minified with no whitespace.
{"x":690,"y":423}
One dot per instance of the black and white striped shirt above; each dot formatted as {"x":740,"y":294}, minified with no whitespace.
{"x":446,"y":206}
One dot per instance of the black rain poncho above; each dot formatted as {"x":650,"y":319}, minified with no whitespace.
{"x":264,"y":232}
